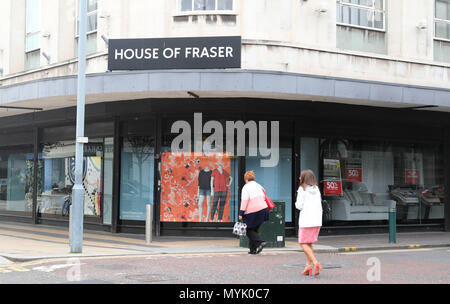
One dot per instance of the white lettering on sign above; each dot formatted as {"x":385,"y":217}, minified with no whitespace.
{"x":412,"y":174}
{"x":353,"y":173}
{"x":212,"y":52}
{"x":129,"y":54}
{"x":332,"y":186}
{"x":169,"y":53}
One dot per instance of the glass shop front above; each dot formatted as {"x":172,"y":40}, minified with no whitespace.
{"x":193,"y":181}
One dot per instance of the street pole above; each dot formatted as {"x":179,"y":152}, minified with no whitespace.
{"x":392,"y":222}
{"x":148,"y":224}
{"x":76,"y":219}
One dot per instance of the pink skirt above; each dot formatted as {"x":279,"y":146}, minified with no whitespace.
{"x":308,"y":235}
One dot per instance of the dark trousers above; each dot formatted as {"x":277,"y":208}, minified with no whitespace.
{"x":254,"y":239}
{"x":222,"y":196}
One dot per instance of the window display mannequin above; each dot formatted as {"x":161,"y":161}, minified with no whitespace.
{"x":219,"y":179}
{"x":204,"y":190}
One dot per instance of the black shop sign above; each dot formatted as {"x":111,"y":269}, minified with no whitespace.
{"x":175,"y":53}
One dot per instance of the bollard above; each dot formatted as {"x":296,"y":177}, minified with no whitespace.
{"x":148,"y":223}
{"x":392,"y":223}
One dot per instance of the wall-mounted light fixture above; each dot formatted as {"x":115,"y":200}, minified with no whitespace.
{"x":422,"y":25}
{"x":105,"y":39}
{"x":47,"y":57}
{"x":46,"y":34}
{"x":323,"y":7}
{"x":104,"y":14}
{"x":193,"y":94}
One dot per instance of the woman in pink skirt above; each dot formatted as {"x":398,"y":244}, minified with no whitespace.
{"x":309,"y":202}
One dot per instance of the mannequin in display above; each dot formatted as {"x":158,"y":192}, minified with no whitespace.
{"x":204,"y":190}
{"x":220,"y":183}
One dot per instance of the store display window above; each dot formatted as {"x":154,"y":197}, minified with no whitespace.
{"x":16,"y":179}
{"x":136,"y":176}
{"x":361,"y":179}
{"x":198,"y":187}
{"x":56,"y":177}
{"x":277,"y":180}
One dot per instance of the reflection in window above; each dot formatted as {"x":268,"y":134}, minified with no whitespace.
{"x":277,"y":181}
{"x":32,"y":38}
{"x":16,"y":180}
{"x":136,"y":178}
{"x":205,"y":5}
{"x":442,"y":20}
{"x":361,"y":13}
{"x":57,"y":177}
{"x":91,"y":28}
{"x":362,"y":179}
{"x":108,"y":180}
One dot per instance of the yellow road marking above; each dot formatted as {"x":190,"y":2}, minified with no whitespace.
{"x":374,"y":252}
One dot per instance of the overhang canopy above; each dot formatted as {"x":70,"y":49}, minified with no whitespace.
{"x":54,"y":93}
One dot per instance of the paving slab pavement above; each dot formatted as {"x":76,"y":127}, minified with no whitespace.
{"x":24,"y":242}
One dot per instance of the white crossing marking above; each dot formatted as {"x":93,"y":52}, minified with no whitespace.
{"x":54,"y":267}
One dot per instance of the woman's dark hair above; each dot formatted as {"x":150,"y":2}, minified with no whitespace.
{"x":307,"y":177}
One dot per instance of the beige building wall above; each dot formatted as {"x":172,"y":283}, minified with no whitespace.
{"x":285,"y":35}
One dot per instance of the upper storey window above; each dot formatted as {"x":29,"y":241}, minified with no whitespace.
{"x":32,"y":25}
{"x":91,"y":24}
{"x":205,"y":5}
{"x":91,"y":27}
{"x":367,"y":14}
{"x":442,"y":20}
{"x":32,"y":35}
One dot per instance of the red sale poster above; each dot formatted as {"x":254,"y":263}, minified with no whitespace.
{"x":354,"y":175}
{"x":412,"y":176}
{"x":332,"y":187}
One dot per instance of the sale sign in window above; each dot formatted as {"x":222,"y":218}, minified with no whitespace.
{"x":354,"y":175}
{"x":412,"y":176}
{"x":332,"y":187}
{"x":332,"y":184}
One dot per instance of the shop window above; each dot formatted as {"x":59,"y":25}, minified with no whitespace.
{"x":108,"y":180}
{"x":136,"y":177}
{"x":198,"y":187}
{"x":56,"y":177}
{"x":361,"y":179}
{"x":205,"y":5}
{"x":277,"y":180}
{"x":16,"y":180}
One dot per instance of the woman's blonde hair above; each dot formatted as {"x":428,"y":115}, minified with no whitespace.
{"x":249,"y":175}
{"x":307,"y":177}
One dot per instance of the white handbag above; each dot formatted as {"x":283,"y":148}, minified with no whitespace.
{"x":240,"y":229}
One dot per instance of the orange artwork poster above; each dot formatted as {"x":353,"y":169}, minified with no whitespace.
{"x":195,"y":187}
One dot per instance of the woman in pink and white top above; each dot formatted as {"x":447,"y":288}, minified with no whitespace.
{"x":253,"y":211}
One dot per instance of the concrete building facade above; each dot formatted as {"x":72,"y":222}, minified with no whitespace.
{"x":356,"y":84}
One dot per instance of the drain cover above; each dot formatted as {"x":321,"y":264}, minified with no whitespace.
{"x":150,"y":277}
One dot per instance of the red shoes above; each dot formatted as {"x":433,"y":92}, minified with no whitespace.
{"x":308,"y":271}
{"x":317,"y":267}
